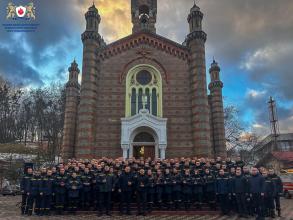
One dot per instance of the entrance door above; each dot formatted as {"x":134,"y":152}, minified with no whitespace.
{"x":144,"y":146}
{"x":144,"y":152}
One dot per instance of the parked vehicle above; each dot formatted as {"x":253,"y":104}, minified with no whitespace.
{"x":287,"y":180}
{"x":11,"y":190}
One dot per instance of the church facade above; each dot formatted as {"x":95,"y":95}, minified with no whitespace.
{"x":143,"y":95}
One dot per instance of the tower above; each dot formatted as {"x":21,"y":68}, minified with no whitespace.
{"x":195,"y":41}
{"x":144,"y":15}
{"x":273,"y":115}
{"x":217,"y":111}
{"x":92,"y":41}
{"x":71,"y":104}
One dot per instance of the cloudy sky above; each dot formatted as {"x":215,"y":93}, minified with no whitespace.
{"x":251,"y":39}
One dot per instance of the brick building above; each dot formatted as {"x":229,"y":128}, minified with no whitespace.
{"x":143,"y":95}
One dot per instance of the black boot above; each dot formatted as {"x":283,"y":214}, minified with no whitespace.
{"x":279,"y":212}
{"x":273,"y":215}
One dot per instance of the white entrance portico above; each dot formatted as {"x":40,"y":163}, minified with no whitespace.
{"x":144,"y":122}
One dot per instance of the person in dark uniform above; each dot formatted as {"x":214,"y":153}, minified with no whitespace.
{"x":222,"y":190}
{"x":239,"y":163}
{"x":60,"y":191}
{"x":25,"y":186}
{"x":73,"y":186}
{"x":269,"y":193}
{"x":46,"y":192}
{"x":125,"y":187}
{"x":159,"y":188}
{"x":279,"y":189}
{"x":142,"y":182}
{"x":167,"y":188}
{"x":176,"y":190}
{"x":197,"y":189}
{"x":256,"y":189}
{"x":106,"y":183}
{"x":34,"y":196}
{"x":151,"y":190}
{"x":240,"y":189}
{"x":246,"y":174}
{"x":86,"y":179}
{"x":209,"y":189}
{"x":187,"y":184}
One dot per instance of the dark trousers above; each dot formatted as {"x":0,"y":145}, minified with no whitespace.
{"x":268,"y":206}
{"x":125,"y":201}
{"x":277,"y":202}
{"x":241,"y":203}
{"x":257,"y":204}
{"x":224,"y":203}
{"x":72,"y":204}
{"x":211,"y":199}
{"x":34,"y":199}
{"x":159,"y":198}
{"x":24,"y":203}
{"x":60,"y":201}
{"x":141,"y":202}
{"x":176,"y":199}
{"x":46,"y":201}
{"x":104,"y":201}
{"x":197,"y":199}
{"x":150,"y":200}
{"x":168,"y":199}
{"x":85,"y":199}
{"x":187,"y":200}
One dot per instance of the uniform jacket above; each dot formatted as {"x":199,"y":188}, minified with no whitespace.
{"x":239,"y":184}
{"x":187,"y":183}
{"x":210,"y":183}
{"x":269,"y":187}
{"x":168,"y":183}
{"x":86,"y":180}
{"x":278,"y":183}
{"x":60,"y":184}
{"x":142,"y":183}
{"x":123,"y":181}
{"x":46,"y":185}
{"x":256,"y":184}
{"x":198,"y":183}
{"x":222,"y":184}
{"x":73,"y":186}
{"x":35,"y":185}
{"x":25,"y":184}
{"x":106,"y":182}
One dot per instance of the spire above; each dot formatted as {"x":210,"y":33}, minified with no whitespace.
{"x":73,"y":67}
{"x":194,"y":7}
{"x":214,"y":66}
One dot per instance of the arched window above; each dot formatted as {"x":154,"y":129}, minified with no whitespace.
{"x":144,"y":89}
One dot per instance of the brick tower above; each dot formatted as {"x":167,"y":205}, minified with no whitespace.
{"x":86,"y":129}
{"x":144,"y":15}
{"x":199,"y":99}
{"x":217,"y":112}
{"x":72,"y":97}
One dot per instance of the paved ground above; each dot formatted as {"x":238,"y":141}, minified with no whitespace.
{"x":9,"y":210}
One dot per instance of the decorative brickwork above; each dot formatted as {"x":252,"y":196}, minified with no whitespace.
{"x":194,"y":119}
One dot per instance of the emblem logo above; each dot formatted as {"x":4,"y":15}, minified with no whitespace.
{"x":20,"y":11}
{"x":27,"y":11}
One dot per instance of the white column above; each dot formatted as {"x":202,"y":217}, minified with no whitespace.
{"x":125,"y":149}
{"x":162,"y":149}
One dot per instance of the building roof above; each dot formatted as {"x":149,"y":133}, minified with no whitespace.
{"x":283,"y":156}
{"x":270,"y":138}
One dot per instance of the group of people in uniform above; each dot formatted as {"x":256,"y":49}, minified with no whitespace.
{"x":171,"y":184}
